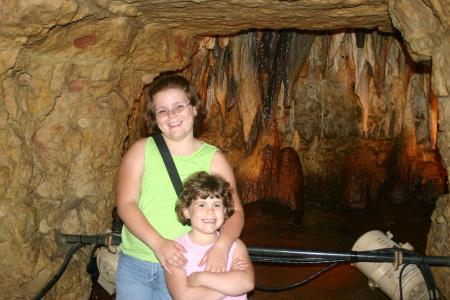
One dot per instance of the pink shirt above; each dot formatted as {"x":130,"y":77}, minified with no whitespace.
{"x":194,"y":255}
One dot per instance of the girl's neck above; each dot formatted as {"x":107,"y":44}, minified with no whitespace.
{"x":183,"y":147}
{"x":202,"y":239}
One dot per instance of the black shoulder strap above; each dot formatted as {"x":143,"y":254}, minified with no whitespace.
{"x":168,"y":161}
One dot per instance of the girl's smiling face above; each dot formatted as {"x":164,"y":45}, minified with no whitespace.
{"x":206,"y":216}
{"x":175,"y":125}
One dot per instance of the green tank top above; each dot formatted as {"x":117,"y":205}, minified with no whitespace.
{"x":158,"y":197}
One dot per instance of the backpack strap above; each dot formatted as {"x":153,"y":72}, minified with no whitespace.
{"x":168,"y":161}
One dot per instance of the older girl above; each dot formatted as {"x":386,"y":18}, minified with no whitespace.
{"x":146,"y":197}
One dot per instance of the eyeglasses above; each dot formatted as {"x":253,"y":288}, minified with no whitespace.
{"x":163,"y":113}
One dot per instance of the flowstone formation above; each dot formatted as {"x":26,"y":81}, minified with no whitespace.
{"x":72,"y":74}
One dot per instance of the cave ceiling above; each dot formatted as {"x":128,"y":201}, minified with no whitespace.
{"x":210,"y":17}
{"x":202,"y":17}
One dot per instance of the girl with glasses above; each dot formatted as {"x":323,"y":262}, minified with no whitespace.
{"x":146,"y":197}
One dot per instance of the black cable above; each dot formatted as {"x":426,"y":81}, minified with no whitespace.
{"x":58,"y":274}
{"x":93,"y":249}
{"x":293,"y":260}
{"x":297,"y":284}
{"x":425,"y":269}
{"x":429,"y":280}
{"x":92,"y":267}
{"x":106,"y":240}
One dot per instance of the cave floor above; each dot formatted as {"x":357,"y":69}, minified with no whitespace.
{"x":273,"y":225}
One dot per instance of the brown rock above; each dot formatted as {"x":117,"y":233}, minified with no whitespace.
{"x":271,"y":174}
{"x":290,"y":180}
{"x":364,"y":175}
{"x":85,"y":41}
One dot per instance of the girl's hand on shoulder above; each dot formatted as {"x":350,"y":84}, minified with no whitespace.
{"x":215,"y":258}
{"x":170,"y":254}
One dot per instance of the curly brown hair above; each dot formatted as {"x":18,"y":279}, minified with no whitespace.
{"x":164,"y":82}
{"x":203,"y":185}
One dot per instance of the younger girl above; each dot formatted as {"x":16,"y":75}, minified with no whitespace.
{"x":204,"y":204}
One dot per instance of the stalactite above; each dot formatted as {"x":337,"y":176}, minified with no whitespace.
{"x":227,"y":65}
{"x":380,"y":44}
{"x":323,"y":95}
{"x":335,"y":44}
{"x":221,"y":82}
{"x":360,"y":36}
{"x":362,"y":89}
{"x":211,"y":99}
{"x":249,"y":94}
{"x":432,"y":106}
{"x":408,"y":122}
{"x":199,"y":71}
{"x":276,"y":77}
{"x":266,"y":55}
{"x":299,"y":45}
{"x":433,"y":119}
{"x":369,"y":53}
{"x":364,"y":64}
{"x":419,"y":99}
{"x":318,"y":56}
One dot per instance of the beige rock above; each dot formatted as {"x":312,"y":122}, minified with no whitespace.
{"x":9,"y":49}
{"x":441,"y":60}
{"x":33,"y":17}
{"x":431,"y":41}
{"x":439,"y":241}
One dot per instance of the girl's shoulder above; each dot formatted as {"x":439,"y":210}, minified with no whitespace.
{"x":239,"y":249}
{"x":140,"y":143}
{"x":205,"y":149}
{"x":137,"y":150}
{"x":221,"y":166}
{"x":240,"y":243}
{"x":208,"y":145}
{"x":139,"y":146}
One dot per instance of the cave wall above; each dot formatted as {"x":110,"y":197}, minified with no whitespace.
{"x":432,"y":41}
{"x":70,"y":73}
{"x":65,"y":100}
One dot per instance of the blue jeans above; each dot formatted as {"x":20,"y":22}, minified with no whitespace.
{"x":137,"y":279}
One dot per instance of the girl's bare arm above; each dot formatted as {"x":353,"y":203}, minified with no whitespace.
{"x":230,"y":283}
{"x":181,"y":290}
{"x":169,"y":253}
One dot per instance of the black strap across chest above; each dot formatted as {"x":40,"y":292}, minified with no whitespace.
{"x":168,"y":161}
